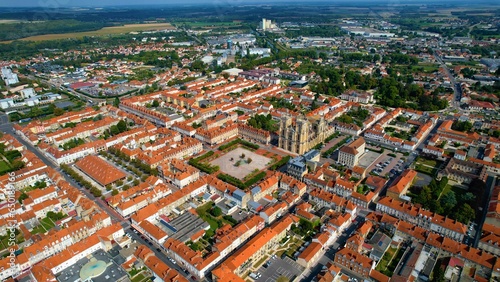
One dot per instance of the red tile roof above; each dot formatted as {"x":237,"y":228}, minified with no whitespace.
{"x":99,"y":170}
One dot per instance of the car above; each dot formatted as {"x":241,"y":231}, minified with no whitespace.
{"x":158,"y":249}
{"x":151,"y":244}
{"x":274,"y":256}
{"x":128,"y":235}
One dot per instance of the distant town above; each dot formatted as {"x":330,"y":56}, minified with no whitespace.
{"x":345,"y":147}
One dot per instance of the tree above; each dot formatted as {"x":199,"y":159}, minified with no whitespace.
{"x":58,"y":112}
{"x":425,"y":196}
{"x":22,"y":197}
{"x":463,"y":126}
{"x":438,"y":274}
{"x":448,"y":202}
{"x":114,"y":130}
{"x":216,"y":211}
{"x":467,"y":197}
{"x":17,"y":164}
{"x":249,"y":160}
{"x":116,"y":102}
{"x":464,"y":213}
{"x":122,"y":126}
{"x":155,"y":104}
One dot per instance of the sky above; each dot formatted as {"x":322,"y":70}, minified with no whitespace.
{"x":101,"y":3}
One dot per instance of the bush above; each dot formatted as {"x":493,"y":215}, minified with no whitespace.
{"x":280,"y":163}
{"x":216,"y":211}
{"x":238,"y":183}
{"x":239,"y":141}
{"x":207,"y":168}
{"x":230,"y":219}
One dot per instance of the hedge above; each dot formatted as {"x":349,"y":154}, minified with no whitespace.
{"x":240,"y":184}
{"x":332,"y":149}
{"x":239,"y":141}
{"x":207,"y":168}
{"x":329,"y":138}
{"x":280,"y":163}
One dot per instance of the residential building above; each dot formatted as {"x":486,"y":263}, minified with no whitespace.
{"x":349,"y":154}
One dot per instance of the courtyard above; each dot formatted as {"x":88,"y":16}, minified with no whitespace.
{"x":228,"y":162}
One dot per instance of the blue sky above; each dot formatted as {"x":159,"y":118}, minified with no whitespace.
{"x":101,"y":3}
{"x":52,"y":4}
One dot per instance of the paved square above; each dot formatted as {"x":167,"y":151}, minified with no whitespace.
{"x":227,"y":166}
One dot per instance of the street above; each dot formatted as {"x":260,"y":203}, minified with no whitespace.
{"x":329,"y":255}
{"x":7,"y":127}
{"x":158,"y":250}
{"x":457,"y":88}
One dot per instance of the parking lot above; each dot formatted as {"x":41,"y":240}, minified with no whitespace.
{"x":368,"y":158}
{"x":387,"y":165}
{"x":280,"y":267}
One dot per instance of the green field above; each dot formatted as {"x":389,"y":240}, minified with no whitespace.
{"x":139,"y":278}
{"x":47,"y":223}
{"x":208,"y":24}
{"x":103,"y":31}
{"x":428,"y":162}
{"x":4,"y":167}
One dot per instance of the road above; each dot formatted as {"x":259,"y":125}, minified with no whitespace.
{"x":457,"y":88}
{"x":6,"y":127}
{"x":158,"y":251}
{"x":329,"y":255}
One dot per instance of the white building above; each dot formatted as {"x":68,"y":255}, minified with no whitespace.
{"x":9,"y":77}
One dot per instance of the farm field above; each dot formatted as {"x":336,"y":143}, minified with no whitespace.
{"x":103,"y":31}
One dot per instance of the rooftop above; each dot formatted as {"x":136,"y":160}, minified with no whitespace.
{"x":99,"y":170}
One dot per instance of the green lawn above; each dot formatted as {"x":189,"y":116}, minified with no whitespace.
{"x":425,"y":169}
{"x":386,"y":259}
{"x":139,"y":278}
{"x":38,"y":230}
{"x":4,"y":241}
{"x":203,"y":214}
{"x":292,"y":246}
{"x":429,"y":162}
{"x":47,"y":223}
{"x":4,"y":167}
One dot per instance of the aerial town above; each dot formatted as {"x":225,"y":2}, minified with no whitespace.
{"x":354,"y":149}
